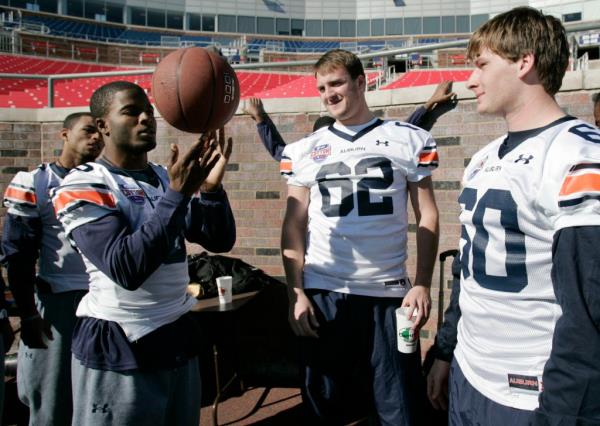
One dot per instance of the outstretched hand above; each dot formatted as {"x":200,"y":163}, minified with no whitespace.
{"x":254,"y":108}
{"x":188,"y":172}
{"x":442,"y":94}
{"x":223,"y":149}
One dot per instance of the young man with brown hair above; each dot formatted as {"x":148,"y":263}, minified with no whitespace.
{"x":344,"y":251}
{"x":529,"y":328}
{"x":46,"y":299}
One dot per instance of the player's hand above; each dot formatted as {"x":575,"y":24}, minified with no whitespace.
{"x":254,"y":108}
{"x":33,"y":332}
{"x":187,"y":172}
{"x":437,"y":384}
{"x":442,"y":94}
{"x":8,"y":334}
{"x":302,"y":316}
{"x":418,"y":298}
{"x":223,"y":149}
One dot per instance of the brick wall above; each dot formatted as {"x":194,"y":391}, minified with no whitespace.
{"x":256,"y":190}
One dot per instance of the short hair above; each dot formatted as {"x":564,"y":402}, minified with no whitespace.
{"x":339,"y":58}
{"x":73,"y":118}
{"x":596,"y":98}
{"x":103,"y":97}
{"x":323,"y":121}
{"x":525,"y":30}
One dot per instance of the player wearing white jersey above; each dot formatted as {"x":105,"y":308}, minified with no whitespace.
{"x":135,"y":346}
{"x":32,"y":231}
{"x":529,"y":208}
{"x":344,"y":251}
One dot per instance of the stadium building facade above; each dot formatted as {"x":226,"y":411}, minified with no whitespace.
{"x":311,"y":18}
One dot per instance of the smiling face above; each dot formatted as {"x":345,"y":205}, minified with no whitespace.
{"x":82,"y":141}
{"x":341,"y":95}
{"x":129,"y":125}
{"x":495,"y":82}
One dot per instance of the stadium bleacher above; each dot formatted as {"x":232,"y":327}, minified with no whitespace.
{"x":423,"y":78}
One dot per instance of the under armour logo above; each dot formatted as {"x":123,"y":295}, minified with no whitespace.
{"x":378,"y":142}
{"x":28,"y":355}
{"x":97,"y":408}
{"x":524,"y":158}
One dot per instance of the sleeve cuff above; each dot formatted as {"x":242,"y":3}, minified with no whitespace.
{"x":176,"y":197}
{"x":217,"y":195}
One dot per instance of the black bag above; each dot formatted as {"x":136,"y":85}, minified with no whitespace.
{"x":204,"y":269}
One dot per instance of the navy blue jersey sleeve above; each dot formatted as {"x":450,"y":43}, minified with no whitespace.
{"x":21,"y":239}
{"x":445,"y":340}
{"x":270,"y":138}
{"x":210,"y":222}
{"x":130,"y":257}
{"x":419,"y":118}
{"x":572,"y":374}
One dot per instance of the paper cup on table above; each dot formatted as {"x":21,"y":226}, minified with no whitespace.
{"x":224,"y":287}
{"x":407,"y":341}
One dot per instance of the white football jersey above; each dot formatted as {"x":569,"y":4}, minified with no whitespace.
{"x":510,"y":210}
{"x":91,"y":192}
{"x":28,"y":195}
{"x":357,"y":231}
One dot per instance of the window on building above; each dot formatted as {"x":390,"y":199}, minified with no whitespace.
{"x":347,"y":28}
{"x":331,"y":28}
{"x":282,"y":26}
{"x":313,"y":28}
{"x":208,"y":23}
{"x":175,"y":20}
{"x":94,"y":9}
{"x":246,"y":24}
{"x":47,"y":5}
{"x":194,"y":22}
{"x":377,"y":27}
{"x":74,"y":7}
{"x":114,"y":12}
{"x":227,"y":23}
{"x":20,"y":3}
{"x":412,"y":26}
{"x":571,"y":17}
{"x":297,"y":27}
{"x":156,"y":18}
{"x":265,"y":25}
{"x":431,"y":25}
{"x":393,"y":26}
{"x":462,"y":24}
{"x":363,"y":28}
{"x":448,"y":24}
{"x":478,"y":20}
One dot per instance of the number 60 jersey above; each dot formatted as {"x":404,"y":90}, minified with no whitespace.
{"x":511,"y":207}
{"x":356,"y":241}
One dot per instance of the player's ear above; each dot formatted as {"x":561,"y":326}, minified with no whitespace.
{"x":102,"y":127}
{"x":362,"y":82}
{"x":64,"y":134}
{"x":526,"y":64}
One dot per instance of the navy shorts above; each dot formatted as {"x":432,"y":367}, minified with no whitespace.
{"x":354,"y":367}
{"x":469,"y":407}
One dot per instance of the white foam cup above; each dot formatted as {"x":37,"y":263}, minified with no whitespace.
{"x":224,"y":288}
{"x":407,"y":341}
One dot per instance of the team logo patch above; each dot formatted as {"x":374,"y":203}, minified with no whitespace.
{"x":384,"y":143}
{"x":527,"y":384}
{"x":320,"y":152}
{"x":477,"y":168}
{"x":524,"y":158}
{"x":135,"y":195}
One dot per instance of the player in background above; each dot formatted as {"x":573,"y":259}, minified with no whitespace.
{"x":529,"y":305}
{"x":7,"y":337}
{"x":442,"y":101}
{"x":344,"y":251}
{"x":135,"y":344}
{"x":46,"y":303}
{"x":596,"y":100}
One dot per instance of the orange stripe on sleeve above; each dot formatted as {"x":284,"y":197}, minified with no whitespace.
{"x":99,"y":198}
{"x":428,"y":157}
{"x":580,"y":183}
{"x":19,"y":194}
{"x":285,"y":166}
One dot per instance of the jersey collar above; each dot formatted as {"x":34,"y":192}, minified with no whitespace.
{"x":351,"y":138}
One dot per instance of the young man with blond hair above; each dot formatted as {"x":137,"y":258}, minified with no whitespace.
{"x":344,"y":251}
{"x":528,"y":334}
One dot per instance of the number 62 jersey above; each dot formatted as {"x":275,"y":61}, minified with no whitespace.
{"x":356,"y":240}
{"x":511,"y":207}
